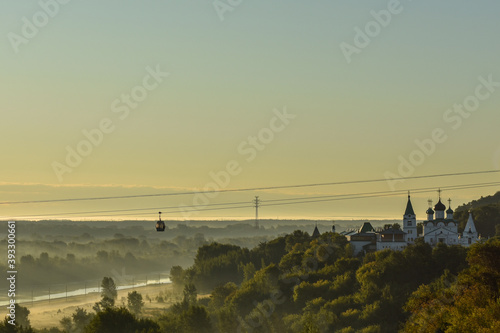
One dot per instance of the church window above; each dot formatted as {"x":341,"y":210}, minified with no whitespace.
{"x":409,"y":223}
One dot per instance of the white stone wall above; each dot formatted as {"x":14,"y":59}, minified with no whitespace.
{"x":358,"y":246}
{"x":396,"y":246}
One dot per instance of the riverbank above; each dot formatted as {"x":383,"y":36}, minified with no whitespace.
{"x":47,"y":314}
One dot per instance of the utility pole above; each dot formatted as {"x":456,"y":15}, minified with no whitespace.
{"x":256,"y":205}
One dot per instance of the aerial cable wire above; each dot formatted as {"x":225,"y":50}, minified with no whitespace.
{"x":277,"y":202}
{"x":250,"y":189}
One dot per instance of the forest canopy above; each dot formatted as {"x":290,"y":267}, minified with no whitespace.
{"x":297,"y":283}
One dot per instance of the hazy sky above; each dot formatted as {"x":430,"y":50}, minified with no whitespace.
{"x":286,"y":92}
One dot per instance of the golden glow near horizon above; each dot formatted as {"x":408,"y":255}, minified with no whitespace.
{"x":101,"y":99}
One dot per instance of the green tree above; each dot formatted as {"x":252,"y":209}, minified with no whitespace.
{"x":213,"y":250}
{"x":310,"y":325}
{"x":108,"y":295}
{"x":103,"y":304}
{"x":324,"y":250}
{"x":190,"y":293}
{"x":177,"y":275}
{"x":66,"y":324}
{"x":227,"y":320}
{"x":134,"y":302}
{"x":220,"y":293}
{"x":120,"y":320}
{"x":469,"y":304}
{"x":5,"y":327}
{"x":298,"y":237}
{"x":81,"y":319}
{"x":102,"y":256}
{"x":396,"y":226}
{"x":170,"y":322}
{"x":27,"y":260}
{"x":271,"y":251}
{"x":196,"y":320}
{"x":44,"y":258}
{"x":22,"y":323}
{"x":484,"y":260}
{"x":108,"y":288}
{"x":22,"y":316}
{"x":293,"y":259}
{"x":248,"y":271}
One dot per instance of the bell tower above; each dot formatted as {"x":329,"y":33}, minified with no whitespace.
{"x":410,"y":222}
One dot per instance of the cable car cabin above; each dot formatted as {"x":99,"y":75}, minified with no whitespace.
{"x":160,"y":225}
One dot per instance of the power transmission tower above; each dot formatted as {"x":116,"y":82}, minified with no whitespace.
{"x":256,"y":204}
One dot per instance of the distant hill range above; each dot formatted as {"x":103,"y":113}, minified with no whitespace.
{"x":486,"y":213}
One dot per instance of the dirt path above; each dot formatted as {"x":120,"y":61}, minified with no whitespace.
{"x":45,"y":314}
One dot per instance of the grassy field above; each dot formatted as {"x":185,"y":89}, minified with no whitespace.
{"x":45,"y":314}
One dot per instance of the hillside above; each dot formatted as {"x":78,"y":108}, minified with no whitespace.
{"x":297,"y":283}
{"x":486,"y":213}
{"x":310,"y":285}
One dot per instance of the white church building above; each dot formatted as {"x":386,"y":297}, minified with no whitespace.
{"x":439,"y":228}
